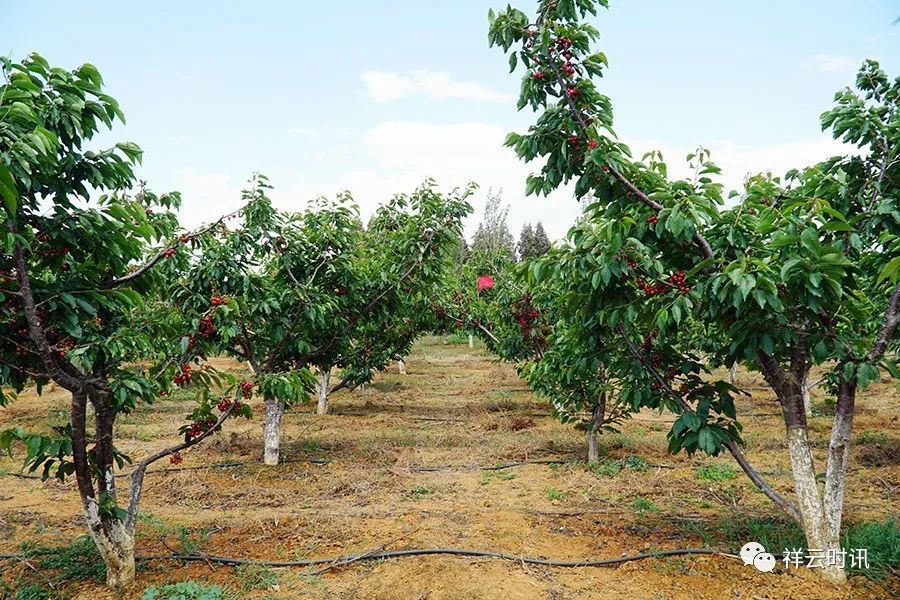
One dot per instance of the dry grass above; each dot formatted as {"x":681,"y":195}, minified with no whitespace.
{"x":455,"y":407}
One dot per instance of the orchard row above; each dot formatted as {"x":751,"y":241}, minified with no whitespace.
{"x":660,"y":281}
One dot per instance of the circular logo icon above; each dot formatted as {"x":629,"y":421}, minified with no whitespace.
{"x":749,"y":552}
{"x":764,"y":561}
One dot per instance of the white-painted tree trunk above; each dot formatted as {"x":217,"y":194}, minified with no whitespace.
{"x":596,"y":423}
{"x":593,"y":451}
{"x":401,"y":366}
{"x":471,"y":341}
{"x":807,"y":399}
{"x":272,"y":431}
{"x":323,"y":391}
{"x":115,"y":542}
{"x":732,"y":373}
{"x":819,"y":535}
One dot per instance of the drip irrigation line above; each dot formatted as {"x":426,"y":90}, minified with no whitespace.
{"x":338,"y":561}
{"x":224,"y":465}
{"x":426,"y":469}
{"x":322,"y":462}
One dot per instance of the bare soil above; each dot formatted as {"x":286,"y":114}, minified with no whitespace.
{"x":356,"y":486}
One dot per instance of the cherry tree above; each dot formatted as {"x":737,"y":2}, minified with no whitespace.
{"x":307,"y":288}
{"x":388,"y":277}
{"x":79,"y":307}
{"x":800,"y":271}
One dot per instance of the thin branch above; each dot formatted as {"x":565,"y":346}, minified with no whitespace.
{"x":888,"y":326}
{"x":732,"y":447}
{"x":137,"y":475}
{"x":480,"y":327}
{"x":163,"y":252}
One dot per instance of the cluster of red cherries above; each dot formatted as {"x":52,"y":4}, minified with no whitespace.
{"x":225,"y":403}
{"x":678,"y":280}
{"x":185,"y":376}
{"x":525,"y":314}
{"x":207,"y":329}
{"x":198,"y":428}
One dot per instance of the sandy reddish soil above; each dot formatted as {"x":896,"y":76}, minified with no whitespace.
{"x":455,"y":407}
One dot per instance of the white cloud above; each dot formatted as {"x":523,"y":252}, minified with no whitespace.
{"x":386,"y":86}
{"x":830,"y":63}
{"x":396,"y":156}
{"x":737,"y":161}
{"x":206,"y":196}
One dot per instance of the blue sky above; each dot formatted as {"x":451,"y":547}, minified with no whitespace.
{"x":375,"y":96}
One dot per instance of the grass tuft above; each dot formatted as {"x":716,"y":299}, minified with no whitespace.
{"x":254,"y":576}
{"x":186,"y":590}
{"x":715,"y":473}
{"x":642,"y":505}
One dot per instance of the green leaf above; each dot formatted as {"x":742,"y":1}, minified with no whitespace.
{"x":707,"y":441}
{"x":890,"y":270}
{"x":691,"y":420}
{"x":8,"y":190}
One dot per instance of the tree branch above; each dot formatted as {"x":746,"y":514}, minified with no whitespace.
{"x":163,"y":252}
{"x":888,"y":326}
{"x":732,"y":447}
{"x":137,"y":475}
{"x":699,"y":240}
{"x":36,"y":328}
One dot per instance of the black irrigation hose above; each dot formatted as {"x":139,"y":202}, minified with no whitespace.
{"x":338,"y":561}
{"x":225,"y":465}
{"x":320,"y":461}
{"x":425,"y":469}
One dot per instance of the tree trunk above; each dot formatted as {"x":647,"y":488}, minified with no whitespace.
{"x":323,"y":391}
{"x":115,"y":542}
{"x":113,"y":538}
{"x":597,"y":415}
{"x":819,"y":535}
{"x":789,"y":387}
{"x":732,"y":372}
{"x":596,"y":422}
{"x":272,"y":430}
{"x":807,"y":399}
{"x":471,"y":341}
{"x":838,"y":460}
{"x":401,"y":366}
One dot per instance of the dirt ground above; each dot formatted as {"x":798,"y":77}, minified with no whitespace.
{"x":358,"y":485}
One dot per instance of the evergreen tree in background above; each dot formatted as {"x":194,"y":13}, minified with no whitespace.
{"x":526,"y":242}
{"x":533,"y":242}
{"x":541,"y":241}
{"x":493,"y":232}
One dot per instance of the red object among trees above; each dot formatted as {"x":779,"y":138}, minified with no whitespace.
{"x":485,"y":282}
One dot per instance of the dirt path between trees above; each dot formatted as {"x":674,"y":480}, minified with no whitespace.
{"x":359,"y":483}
